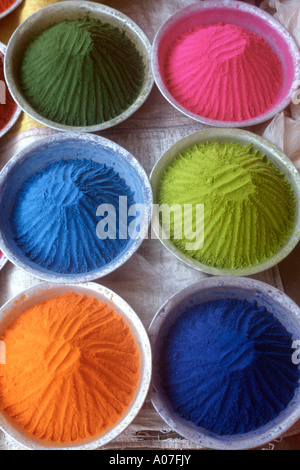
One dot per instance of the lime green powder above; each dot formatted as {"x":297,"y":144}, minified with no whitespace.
{"x":249,"y":205}
{"x":81,"y":72}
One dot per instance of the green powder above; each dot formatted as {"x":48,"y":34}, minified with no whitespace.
{"x":81,"y":72}
{"x":249,"y":205}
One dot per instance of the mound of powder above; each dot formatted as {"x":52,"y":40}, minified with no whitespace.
{"x":8,"y":108}
{"x":224,"y":72}
{"x":72,"y":369}
{"x":54,"y":217}
{"x":5,"y":5}
{"x":227,"y":366}
{"x":249,"y":205}
{"x":81,"y":72}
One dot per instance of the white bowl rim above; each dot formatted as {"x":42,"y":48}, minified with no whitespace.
{"x":235,"y":5}
{"x":280,"y":156}
{"x":88,"y":6}
{"x":107,"y":269}
{"x":92,"y":289}
{"x":155,"y":329}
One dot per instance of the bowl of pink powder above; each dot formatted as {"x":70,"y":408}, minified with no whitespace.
{"x":226,"y":64}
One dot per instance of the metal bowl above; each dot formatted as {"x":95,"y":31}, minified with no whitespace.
{"x":276,"y":302}
{"x":18,"y":111}
{"x":53,"y":14}
{"x":12,"y":8}
{"x":59,"y":146}
{"x":12,"y":309}
{"x":243,"y":137}
{"x":240,"y":14}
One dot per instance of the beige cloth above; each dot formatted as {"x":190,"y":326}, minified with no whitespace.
{"x":284,"y":129}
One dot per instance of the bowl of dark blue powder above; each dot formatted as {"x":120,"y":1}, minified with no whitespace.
{"x":226,"y":363}
{"x":73,"y":207}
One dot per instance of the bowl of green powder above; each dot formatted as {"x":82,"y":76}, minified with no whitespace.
{"x":79,"y":66}
{"x":226,"y":202}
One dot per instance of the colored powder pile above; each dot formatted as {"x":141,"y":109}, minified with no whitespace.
{"x":249,"y":205}
{"x":54,"y":217}
{"x":7,"y":105}
{"x":5,"y":5}
{"x":72,"y":369}
{"x":224,"y":72}
{"x":227,"y":366}
{"x":81,"y":72}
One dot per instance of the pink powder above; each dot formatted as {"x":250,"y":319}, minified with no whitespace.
{"x":224,"y":72}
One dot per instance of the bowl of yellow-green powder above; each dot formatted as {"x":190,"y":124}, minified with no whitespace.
{"x":226,"y":202}
{"x":79,"y":66}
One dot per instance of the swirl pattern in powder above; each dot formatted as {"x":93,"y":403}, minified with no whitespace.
{"x":54,"y":217}
{"x":72,"y":368}
{"x":226,"y":365}
{"x":249,"y":205}
{"x":224,"y":72}
{"x":81,"y":72}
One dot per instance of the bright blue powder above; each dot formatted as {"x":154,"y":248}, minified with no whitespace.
{"x":54,"y":218}
{"x":227,"y":366}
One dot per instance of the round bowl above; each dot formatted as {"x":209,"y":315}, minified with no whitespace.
{"x":12,"y":309}
{"x":65,"y":146}
{"x":243,"y":137}
{"x":239,"y":14}
{"x":9,"y":10}
{"x":53,"y":14}
{"x":276,"y":302}
{"x":18,"y":111}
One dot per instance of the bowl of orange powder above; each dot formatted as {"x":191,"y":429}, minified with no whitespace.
{"x":75,"y":366}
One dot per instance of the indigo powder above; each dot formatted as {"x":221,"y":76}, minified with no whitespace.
{"x":226,"y":366}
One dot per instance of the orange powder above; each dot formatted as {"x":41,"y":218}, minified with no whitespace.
{"x":72,"y":369}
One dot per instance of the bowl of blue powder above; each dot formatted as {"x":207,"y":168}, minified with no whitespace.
{"x":226,"y":363}
{"x":73,"y":207}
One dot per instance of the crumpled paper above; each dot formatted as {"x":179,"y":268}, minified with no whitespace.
{"x":284,"y":129}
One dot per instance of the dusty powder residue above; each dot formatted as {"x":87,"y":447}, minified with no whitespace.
{"x":224,"y":72}
{"x":81,"y":72}
{"x":249,"y":205}
{"x":72,"y":368}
